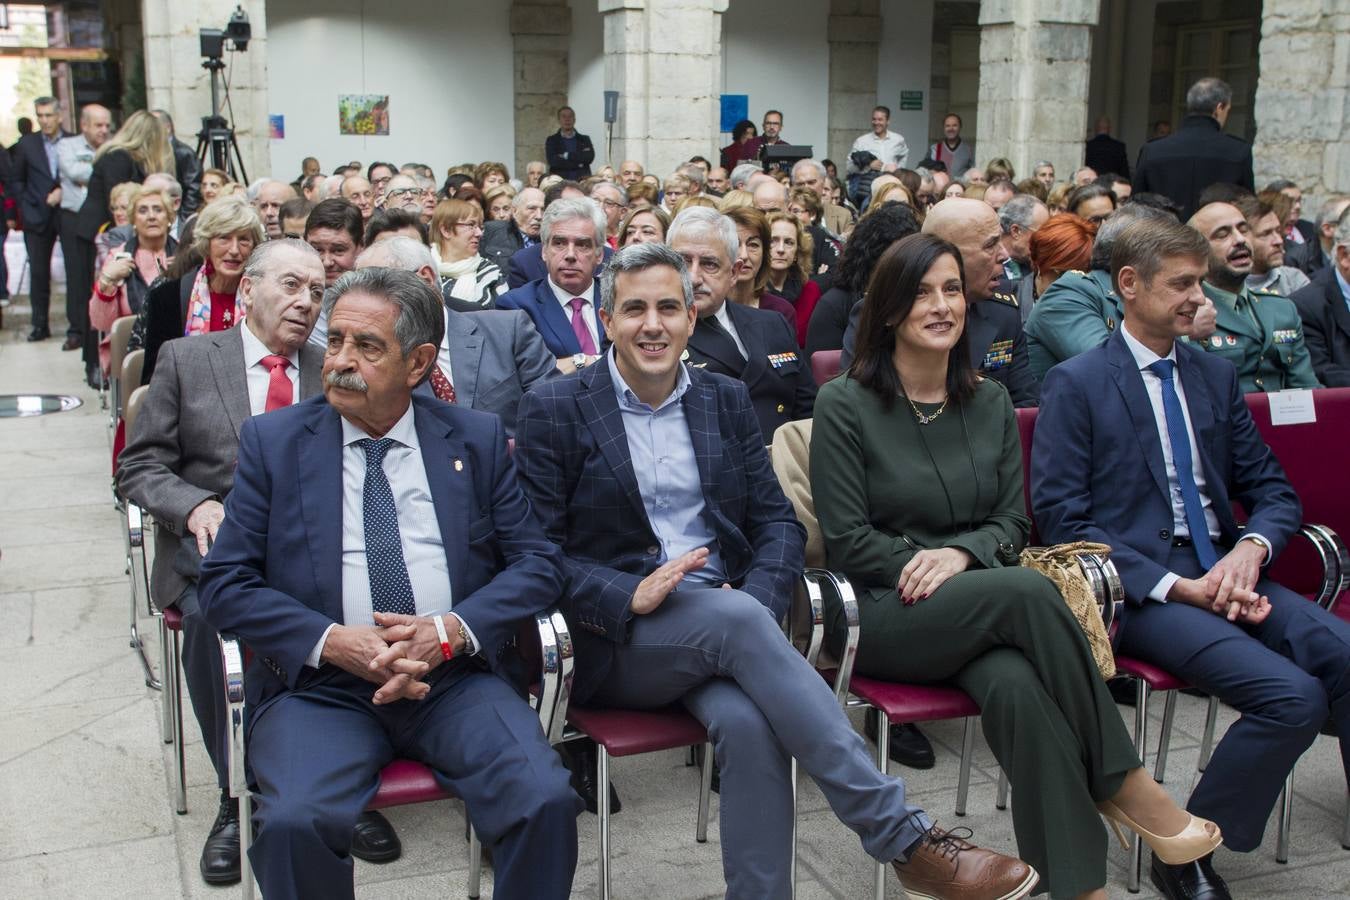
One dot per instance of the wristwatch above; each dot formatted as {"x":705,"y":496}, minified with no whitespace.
{"x":579,"y":360}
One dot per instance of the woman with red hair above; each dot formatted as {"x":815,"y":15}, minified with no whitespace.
{"x":1062,"y":244}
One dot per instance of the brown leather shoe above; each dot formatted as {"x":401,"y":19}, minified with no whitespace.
{"x":945,"y":866}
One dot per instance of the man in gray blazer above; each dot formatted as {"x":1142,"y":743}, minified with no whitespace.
{"x":179,"y":465}
{"x":488,"y":359}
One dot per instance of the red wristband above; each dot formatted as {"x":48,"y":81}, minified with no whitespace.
{"x":446,"y":650}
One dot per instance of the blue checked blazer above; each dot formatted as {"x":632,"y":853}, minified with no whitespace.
{"x":572,"y":453}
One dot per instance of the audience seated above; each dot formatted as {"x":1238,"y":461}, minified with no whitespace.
{"x":469,"y":280}
{"x":752,"y":278}
{"x":1324,"y":308}
{"x":1143,"y":443}
{"x":334,"y":228}
{"x":677,"y":599}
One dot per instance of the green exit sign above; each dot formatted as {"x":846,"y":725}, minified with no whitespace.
{"x":911,"y":100}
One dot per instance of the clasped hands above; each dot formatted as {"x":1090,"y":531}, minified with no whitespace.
{"x":1228,"y":588}
{"x":395,"y":653}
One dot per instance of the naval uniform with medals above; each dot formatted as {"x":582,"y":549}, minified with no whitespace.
{"x":1262,"y":335}
{"x":758,"y":347}
{"x":1076,"y":313}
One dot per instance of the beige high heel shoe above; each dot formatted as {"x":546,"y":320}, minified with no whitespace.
{"x":1191,"y":843}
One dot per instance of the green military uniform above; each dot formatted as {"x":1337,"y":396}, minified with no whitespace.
{"x":1076,"y":313}
{"x":1262,"y":335}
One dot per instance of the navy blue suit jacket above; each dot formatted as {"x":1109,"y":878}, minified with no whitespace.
{"x":274,"y":576}
{"x":31,"y":180}
{"x":1097,"y":471}
{"x":572,"y":450}
{"x":555,"y":325}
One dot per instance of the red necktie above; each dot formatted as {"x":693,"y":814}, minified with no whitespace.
{"x":280,"y":391}
{"x":579,"y":328}
{"x":441,"y":386}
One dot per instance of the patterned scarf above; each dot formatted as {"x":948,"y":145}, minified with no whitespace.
{"x":199,"y":307}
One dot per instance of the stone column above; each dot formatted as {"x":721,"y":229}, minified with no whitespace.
{"x":854,"y":33}
{"x":540,"y":31}
{"x":176,"y":81}
{"x":664,"y":57}
{"x":1034,"y":73}
{"x":1303,"y":98}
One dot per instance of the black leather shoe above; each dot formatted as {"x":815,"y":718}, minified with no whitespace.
{"x":908,"y":745}
{"x":581,"y":757}
{"x":93,"y":377}
{"x":374,"y":840}
{"x":38,"y":334}
{"x":72,"y":343}
{"x":1192,"y":881}
{"x":220,"y":853}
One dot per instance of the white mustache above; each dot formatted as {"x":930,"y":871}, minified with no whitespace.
{"x":348,"y":381}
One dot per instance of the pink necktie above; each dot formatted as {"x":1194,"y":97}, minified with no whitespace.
{"x":579,"y":328}
{"x":280,"y":389}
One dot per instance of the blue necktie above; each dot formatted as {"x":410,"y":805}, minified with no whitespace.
{"x":1180,"y":439}
{"x":390,"y":589}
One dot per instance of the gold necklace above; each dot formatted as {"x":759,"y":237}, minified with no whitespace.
{"x":923,"y":419}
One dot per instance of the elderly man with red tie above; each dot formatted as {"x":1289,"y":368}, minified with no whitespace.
{"x":179,"y":465}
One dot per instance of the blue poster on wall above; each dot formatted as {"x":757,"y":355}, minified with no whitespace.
{"x":735,"y":107}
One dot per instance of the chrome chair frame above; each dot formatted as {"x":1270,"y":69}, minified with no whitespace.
{"x":555,"y":679}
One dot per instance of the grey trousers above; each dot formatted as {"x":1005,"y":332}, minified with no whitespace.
{"x":720,"y":654}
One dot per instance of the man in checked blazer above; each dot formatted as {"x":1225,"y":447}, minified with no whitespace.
{"x":681,"y":553}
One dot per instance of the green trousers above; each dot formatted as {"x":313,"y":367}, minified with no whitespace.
{"x":1005,"y":637}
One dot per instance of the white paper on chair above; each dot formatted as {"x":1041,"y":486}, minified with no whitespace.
{"x":1292,"y":407}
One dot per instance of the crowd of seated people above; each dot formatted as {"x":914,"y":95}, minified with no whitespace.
{"x":559,"y":389}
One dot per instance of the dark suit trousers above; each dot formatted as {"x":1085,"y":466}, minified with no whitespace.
{"x":202,"y":669}
{"x":316,"y":754}
{"x":1286,"y":676}
{"x":720,"y":654}
{"x":79,"y":257}
{"x":39,"y":245}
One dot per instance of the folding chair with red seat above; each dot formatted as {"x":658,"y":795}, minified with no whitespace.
{"x":544,"y":643}
{"x":825,"y":365}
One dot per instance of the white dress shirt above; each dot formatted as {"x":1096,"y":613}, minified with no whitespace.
{"x":75,"y":164}
{"x":724,"y":318}
{"x":587,"y":313}
{"x":419,"y":532}
{"x":259,"y":376}
{"x":890,"y":148}
{"x":443,"y":355}
{"x":1143,"y":358}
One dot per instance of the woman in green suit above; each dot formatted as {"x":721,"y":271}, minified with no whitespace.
{"x":916,"y":472}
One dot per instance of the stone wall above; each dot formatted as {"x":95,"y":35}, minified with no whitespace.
{"x":1034,"y":69}
{"x":854,"y":33}
{"x":1303,"y":97}
{"x":541,"y":32}
{"x":176,"y":81}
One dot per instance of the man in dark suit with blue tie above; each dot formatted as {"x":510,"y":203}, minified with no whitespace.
{"x":377,"y":554}
{"x":1143,"y":443}
{"x":564,"y":304}
{"x":681,"y":553}
{"x":36,"y":189}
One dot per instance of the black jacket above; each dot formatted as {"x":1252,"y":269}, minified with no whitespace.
{"x":1186,"y":162}
{"x":189,"y":173}
{"x":500,"y":242}
{"x":1326,"y":327}
{"x":30,"y":181}
{"x":576,"y":167}
{"x":110,"y":170}
{"x":1104,"y":153}
{"x":774,"y":368}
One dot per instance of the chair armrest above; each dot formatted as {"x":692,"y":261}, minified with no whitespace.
{"x":1107,"y":587}
{"x":805,"y":625}
{"x":554,"y":651}
{"x":566,"y":665}
{"x":849,"y":601}
{"x":232,"y":655}
{"x":1335,"y":559}
{"x":135,"y":525}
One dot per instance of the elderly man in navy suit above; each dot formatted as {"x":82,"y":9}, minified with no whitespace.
{"x":1143,"y":443}
{"x":377,"y":554}
{"x":564,"y":304}
{"x":681,"y":553}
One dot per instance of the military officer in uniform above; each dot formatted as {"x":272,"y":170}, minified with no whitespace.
{"x":998,"y":346}
{"x":756,"y":346}
{"x":1081,"y":309}
{"x":1258,"y":331}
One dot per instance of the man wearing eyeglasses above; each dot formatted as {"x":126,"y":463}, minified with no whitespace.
{"x":613,"y":202}
{"x":402,"y":192}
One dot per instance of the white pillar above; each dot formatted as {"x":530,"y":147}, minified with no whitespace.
{"x":176,"y":81}
{"x":664,"y":57}
{"x":1034,"y":73}
{"x":1303,"y":97}
{"x":540,"y":30}
{"x":854,"y":33}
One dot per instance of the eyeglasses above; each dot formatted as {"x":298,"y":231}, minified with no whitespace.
{"x":472,"y":226}
{"x":398,"y":193}
{"x":612,"y":204}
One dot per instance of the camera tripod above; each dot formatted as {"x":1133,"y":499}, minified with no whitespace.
{"x":216,"y":138}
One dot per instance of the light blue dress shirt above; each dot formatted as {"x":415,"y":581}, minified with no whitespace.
{"x":1345,"y":286}
{"x":667,"y":474}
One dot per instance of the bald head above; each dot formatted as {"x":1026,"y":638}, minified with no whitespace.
{"x":95,"y":124}
{"x":1230,"y":247}
{"x":973,"y":226}
{"x":770,"y":196}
